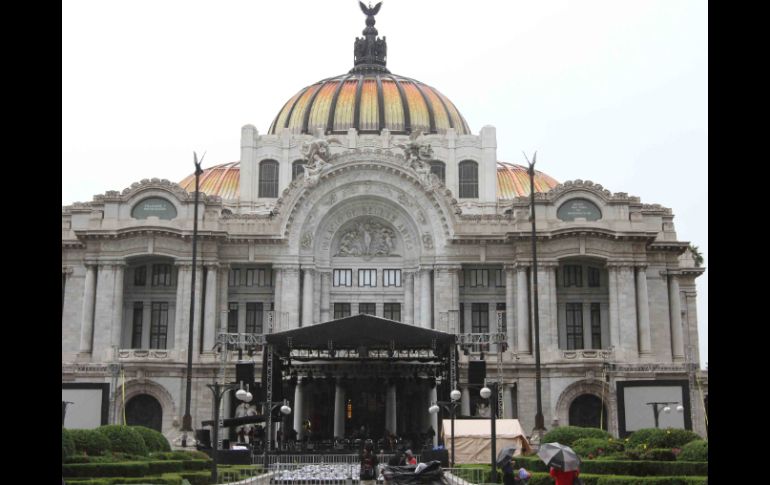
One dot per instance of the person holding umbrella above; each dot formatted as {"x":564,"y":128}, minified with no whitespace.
{"x":564,"y":462}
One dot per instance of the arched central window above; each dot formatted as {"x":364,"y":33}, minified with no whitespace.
{"x":297,"y":168}
{"x":439,"y":169}
{"x":469,"y":179}
{"x":268,"y":178}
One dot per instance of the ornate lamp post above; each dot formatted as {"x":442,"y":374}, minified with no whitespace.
{"x":187,"y":418}
{"x":666,"y":409}
{"x":269,"y":408}
{"x":491,"y":394}
{"x":451,"y":407}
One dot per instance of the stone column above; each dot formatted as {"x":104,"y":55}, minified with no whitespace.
{"x":417,"y":299}
{"x":425,"y":303}
{"x":278,"y":298}
{"x":87,"y":322}
{"x":390,"y":409}
{"x":465,"y":401}
{"x":507,"y":402}
{"x":408,"y":298}
{"x":546,"y":282}
{"x":510,"y":324}
{"x":117,"y":315}
{"x":522,"y":310}
{"x":675,"y":309}
{"x":290,"y":297}
{"x":316,"y":297}
{"x":454,"y":284}
{"x":433,"y":417}
{"x":224,"y":284}
{"x":612,"y":271}
{"x":339,"y":410}
{"x":307,"y":298}
{"x":446,"y":294}
{"x":325,"y":295}
{"x":197,"y":320}
{"x":627,"y":309}
{"x":182,"y":320}
{"x":643,"y":311}
{"x":210,"y":320}
{"x":104,"y":312}
{"x":298,"y":408}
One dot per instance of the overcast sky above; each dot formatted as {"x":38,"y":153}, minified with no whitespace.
{"x":610,"y":91}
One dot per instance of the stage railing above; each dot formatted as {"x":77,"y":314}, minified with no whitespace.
{"x":313,"y":459}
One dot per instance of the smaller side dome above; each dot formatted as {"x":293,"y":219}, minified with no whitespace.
{"x":222,"y":180}
{"x":513,"y":181}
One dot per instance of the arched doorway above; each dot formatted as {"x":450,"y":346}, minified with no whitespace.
{"x":587,"y":411}
{"x":144,"y":410}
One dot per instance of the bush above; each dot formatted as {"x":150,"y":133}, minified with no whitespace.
{"x":180,"y":455}
{"x":90,"y":442}
{"x":154,"y":440}
{"x":625,"y":467}
{"x":197,"y":478}
{"x":567,"y":435}
{"x":124,"y":439}
{"x":67,"y":444}
{"x":697,"y":450}
{"x":133,"y":469}
{"x":661,"y":438}
{"x":165,"y":466}
{"x":589,"y":448}
{"x":658,"y":454}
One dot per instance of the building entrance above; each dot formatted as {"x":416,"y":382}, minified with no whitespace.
{"x":365,"y":409}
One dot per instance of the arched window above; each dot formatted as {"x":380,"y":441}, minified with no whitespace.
{"x":469,"y":179}
{"x":297,"y":168}
{"x":268,"y":178}
{"x":144,"y":410}
{"x":588,"y":411}
{"x":438,"y":168}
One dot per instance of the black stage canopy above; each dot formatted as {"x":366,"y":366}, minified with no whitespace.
{"x":369,"y":331}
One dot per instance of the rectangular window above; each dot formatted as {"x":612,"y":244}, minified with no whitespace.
{"x":367,"y":309}
{"x":367,"y":277}
{"x":159,"y":325}
{"x":254,"y":317}
{"x":161,"y":275}
{"x":341,"y":310}
{"x":136,"y":331}
{"x":251,"y":277}
{"x":596,"y":326}
{"x":478,"y":278}
{"x":392,"y":311}
{"x":574,"y":326}
{"x":462,"y":317}
{"x":499,"y":278}
{"x":500,"y":307}
{"x":264,"y":277}
{"x":480,"y":322}
{"x":232,"y":317}
{"x":461,"y":277}
{"x":573,"y":275}
{"x":391,"y":277}
{"x":593,"y":277}
{"x":235,"y":277}
{"x":140,"y":276}
{"x":343,"y":277}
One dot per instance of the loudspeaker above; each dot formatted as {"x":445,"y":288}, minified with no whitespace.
{"x":244,"y":372}
{"x":477,"y":371}
{"x":204,"y":437}
{"x":277,"y":378}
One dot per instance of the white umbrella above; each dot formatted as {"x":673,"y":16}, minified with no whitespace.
{"x":559,"y":456}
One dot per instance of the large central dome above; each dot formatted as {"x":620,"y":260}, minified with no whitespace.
{"x":369,"y":98}
{"x":369,"y":102}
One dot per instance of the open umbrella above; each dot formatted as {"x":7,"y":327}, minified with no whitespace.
{"x":559,"y":456}
{"x":505,"y":455}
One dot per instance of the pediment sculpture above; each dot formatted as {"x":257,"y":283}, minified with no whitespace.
{"x":417,"y":156}
{"x":368,"y":238}
{"x":317,"y":154}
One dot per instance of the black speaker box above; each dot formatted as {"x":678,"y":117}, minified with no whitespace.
{"x":477,"y":371}
{"x":244,"y":372}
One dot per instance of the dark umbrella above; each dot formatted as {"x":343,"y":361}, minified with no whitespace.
{"x":505,"y":455}
{"x":559,"y":456}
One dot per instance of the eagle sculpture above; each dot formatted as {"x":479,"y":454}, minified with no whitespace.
{"x":369,"y":11}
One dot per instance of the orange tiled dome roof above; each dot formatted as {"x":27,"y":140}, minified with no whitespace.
{"x":223,"y":180}
{"x":369,"y":101}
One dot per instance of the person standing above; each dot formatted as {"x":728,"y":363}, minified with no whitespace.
{"x":564,"y":478}
{"x":369,"y":464}
{"x":410,"y":459}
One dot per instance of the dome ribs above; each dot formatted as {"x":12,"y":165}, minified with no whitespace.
{"x":404,"y":104}
{"x":431,"y":115}
{"x":333,"y":106}
{"x":381,"y":104}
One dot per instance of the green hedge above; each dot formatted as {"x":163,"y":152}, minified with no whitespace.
{"x":594,"y":447}
{"x":90,"y":470}
{"x":567,"y":435}
{"x":124,"y":439}
{"x":167,"y":479}
{"x":661,"y":438}
{"x":154,"y":440}
{"x":658,"y":454}
{"x":90,"y":441}
{"x":90,"y":481}
{"x":166,"y":466}
{"x":67,"y":444}
{"x":197,"y":478}
{"x":697,"y":450}
{"x":543,"y":478}
{"x":632,"y":468}
{"x":180,"y":455}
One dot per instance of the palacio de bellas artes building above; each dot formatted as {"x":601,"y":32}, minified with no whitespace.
{"x":370,"y":206}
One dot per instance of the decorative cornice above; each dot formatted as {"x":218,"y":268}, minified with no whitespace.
{"x":67,"y":270}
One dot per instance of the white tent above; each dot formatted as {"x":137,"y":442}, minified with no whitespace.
{"x":472,"y":438}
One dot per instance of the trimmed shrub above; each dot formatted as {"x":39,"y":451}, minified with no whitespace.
{"x":567,"y":435}
{"x":661,"y":438}
{"x":154,"y":440}
{"x":90,"y":481}
{"x":67,"y":444}
{"x":133,"y":469}
{"x":165,"y":466}
{"x":197,"y":478}
{"x":180,"y":455}
{"x":124,"y":439}
{"x":697,"y":450}
{"x":626,"y":468}
{"x":90,"y":442}
{"x":589,"y":448}
{"x":659,"y":454}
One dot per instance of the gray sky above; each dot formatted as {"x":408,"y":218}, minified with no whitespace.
{"x":610,"y":91}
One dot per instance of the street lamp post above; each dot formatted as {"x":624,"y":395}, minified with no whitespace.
{"x":218,"y":391}
{"x":491,"y":394}
{"x":666,"y":409}
{"x":450,"y":406}
{"x":187,"y":418}
{"x":269,"y":408}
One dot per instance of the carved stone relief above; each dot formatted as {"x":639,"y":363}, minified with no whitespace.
{"x":367,"y":238}
{"x":307,"y":240}
{"x":427,"y":241}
